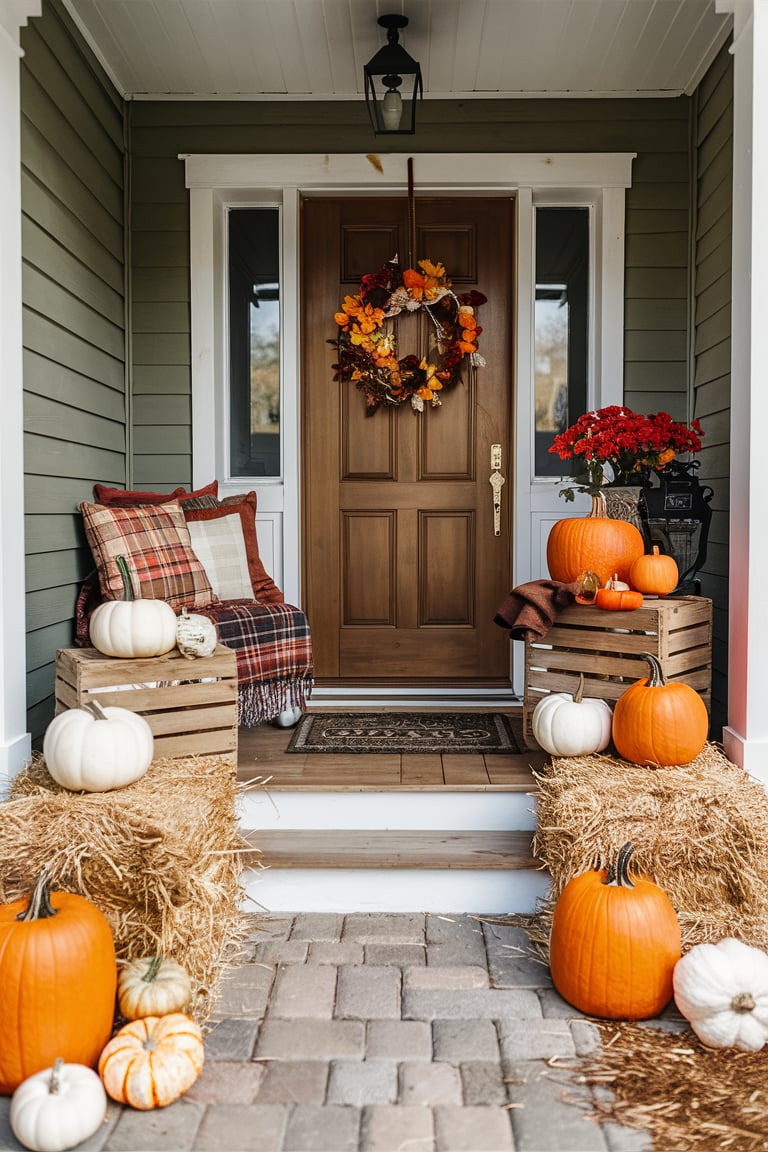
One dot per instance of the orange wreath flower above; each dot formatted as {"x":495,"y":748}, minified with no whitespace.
{"x":367,"y":348}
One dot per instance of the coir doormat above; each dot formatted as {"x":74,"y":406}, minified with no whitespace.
{"x":410,"y":732}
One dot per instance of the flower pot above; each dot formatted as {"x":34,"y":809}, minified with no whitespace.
{"x":622,"y":503}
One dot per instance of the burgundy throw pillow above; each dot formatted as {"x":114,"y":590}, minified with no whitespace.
{"x":129,"y":497}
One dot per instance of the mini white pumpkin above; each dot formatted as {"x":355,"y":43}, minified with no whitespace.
{"x":289,"y":717}
{"x":195,"y":635}
{"x":95,"y":749}
{"x":722,"y":990}
{"x":58,"y":1107}
{"x":572,"y":725}
{"x":132,"y":627}
{"x":152,"y":986}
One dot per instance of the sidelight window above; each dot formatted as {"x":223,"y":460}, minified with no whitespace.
{"x":254,"y":342}
{"x":561,"y":327}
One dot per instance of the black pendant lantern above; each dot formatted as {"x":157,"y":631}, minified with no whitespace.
{"x":392,"y":111}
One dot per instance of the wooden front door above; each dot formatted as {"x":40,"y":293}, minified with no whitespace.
{"x":403,"y":571}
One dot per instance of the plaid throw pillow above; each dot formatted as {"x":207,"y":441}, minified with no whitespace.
{"x":155,"y":541}
{"x":218,"y":541}
{"x":262,"y":586}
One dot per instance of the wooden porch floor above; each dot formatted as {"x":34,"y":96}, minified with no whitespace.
{"x":262,"y":753}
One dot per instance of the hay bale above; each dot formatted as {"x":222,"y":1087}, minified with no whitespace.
{"x":161,"y":859}
{"x":700,"y":831}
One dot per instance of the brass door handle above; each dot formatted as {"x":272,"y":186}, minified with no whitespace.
{"x":496,"y":481}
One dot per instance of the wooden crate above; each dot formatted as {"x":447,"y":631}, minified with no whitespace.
{"x":190,"y":705}
{"x":607,"y":647}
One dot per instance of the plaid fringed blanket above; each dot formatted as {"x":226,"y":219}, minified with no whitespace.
{"x":273,"y":647}
{"x":272,"y":644}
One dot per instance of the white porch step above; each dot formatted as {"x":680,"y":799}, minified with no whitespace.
{"x":325,"y":870}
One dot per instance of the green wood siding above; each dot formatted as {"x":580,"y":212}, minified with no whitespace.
{"x":711,"y":360}
{"x":658,"y":224}
{"x":73,"y":284}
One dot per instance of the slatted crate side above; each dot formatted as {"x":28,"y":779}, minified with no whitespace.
{"x":87,"y":668}
{"x":190,"y":705}
{"x":609,"y":652}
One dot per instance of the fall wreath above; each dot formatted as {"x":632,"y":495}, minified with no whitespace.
{"x":367,"y":345}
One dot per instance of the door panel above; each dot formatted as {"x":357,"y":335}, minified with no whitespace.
{"x":402,"y":570}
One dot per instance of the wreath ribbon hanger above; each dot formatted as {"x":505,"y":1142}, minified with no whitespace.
{"x":367,"y":342}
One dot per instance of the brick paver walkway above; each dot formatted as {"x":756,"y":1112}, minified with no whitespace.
{"x":380,"y":1033}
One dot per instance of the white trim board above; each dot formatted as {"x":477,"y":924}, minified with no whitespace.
{"x":15,"y":742}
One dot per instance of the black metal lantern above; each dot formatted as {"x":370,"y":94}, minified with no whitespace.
{"x":393,"y":68}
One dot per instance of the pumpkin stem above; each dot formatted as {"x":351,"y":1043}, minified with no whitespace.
{"x":578,"y":694}
{"x":125,"y":572}
{"x":39,"y":907}
{"x":153,"y":968}
{"x":54,"y":1084}
{"x":598,"y":509}
{"x":618,"y":874}
{"x":743,"y":1003}
{"x":655,"y":550}
{"x":656,"y":677}
{"x":96,"y":708}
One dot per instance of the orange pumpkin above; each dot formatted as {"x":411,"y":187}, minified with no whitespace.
{"x":152,"y":1061}
{"x":659,"y":722}
{"x":617,"y":596}
{"x":614,"y":944}
{"x":592,"y":543}
{"x":58,"y":977}
{"x":655,"y":574}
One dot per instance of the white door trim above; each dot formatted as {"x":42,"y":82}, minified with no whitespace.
{"x":218,"y":181}
{"x":15,"y":741}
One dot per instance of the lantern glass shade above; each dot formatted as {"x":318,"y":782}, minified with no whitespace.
{"x":393,"y":84}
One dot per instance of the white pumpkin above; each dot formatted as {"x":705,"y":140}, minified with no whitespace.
{"x":572,"y":725}
{"x":196,"y":635}
{"x":58,"y":1107}
{"x":132,"y":627}
{"x":152,"y":986}
{"x":289,"y":717}
{"x":95,"y":749}
{"x":722,"y":990}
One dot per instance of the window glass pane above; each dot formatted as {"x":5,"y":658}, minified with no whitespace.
{"x":254,"y":342}
{"x":561,"y":328}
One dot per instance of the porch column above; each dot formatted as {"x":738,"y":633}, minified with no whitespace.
{"x":746,"y":736}
{"x":15,"y":744}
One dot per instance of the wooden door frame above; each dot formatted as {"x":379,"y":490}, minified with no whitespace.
{"x":598,"y":180}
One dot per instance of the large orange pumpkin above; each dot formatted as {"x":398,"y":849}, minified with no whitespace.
{"x":58,"y":978}
{"x":659,"y":722}
{"x":614,"y":944}
{"x":595,"y":543}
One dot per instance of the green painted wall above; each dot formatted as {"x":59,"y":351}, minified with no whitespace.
{"x":658,"y":226}
{"x":72,"y":184}
{"x":711,"y":356}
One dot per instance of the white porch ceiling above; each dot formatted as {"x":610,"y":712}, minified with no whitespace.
{"x":316,"y":49}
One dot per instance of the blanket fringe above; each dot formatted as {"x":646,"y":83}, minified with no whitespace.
{"x":263,"y":700}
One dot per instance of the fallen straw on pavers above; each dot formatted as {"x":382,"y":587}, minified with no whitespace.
{"x":686,"y":1096}
{"x":699,"y":830}
{"x":161,"y":858}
